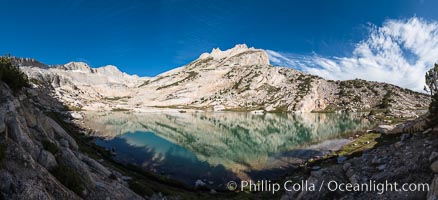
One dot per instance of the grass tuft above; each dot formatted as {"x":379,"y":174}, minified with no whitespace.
{"x":50,"y":146}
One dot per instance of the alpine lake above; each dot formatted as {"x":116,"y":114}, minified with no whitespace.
{"x":218,"y":147}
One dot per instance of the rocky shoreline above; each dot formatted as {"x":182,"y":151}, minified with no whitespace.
{"x":397,"y":157}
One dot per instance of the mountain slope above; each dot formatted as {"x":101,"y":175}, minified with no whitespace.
{"x":240,"y":79}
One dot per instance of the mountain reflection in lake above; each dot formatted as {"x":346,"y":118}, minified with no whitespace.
{"x":220,"y":146}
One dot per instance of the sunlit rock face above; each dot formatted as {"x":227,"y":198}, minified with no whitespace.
{"x":76,"y":84}
{"x":240,"y":142}
{"x":239,"y":78}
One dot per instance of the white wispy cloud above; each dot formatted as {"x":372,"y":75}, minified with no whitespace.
{"x":399,"y":52}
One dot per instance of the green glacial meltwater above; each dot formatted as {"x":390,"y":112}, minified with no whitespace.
{"x":217,"y":147}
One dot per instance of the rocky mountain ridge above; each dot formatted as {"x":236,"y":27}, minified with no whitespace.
{"x":239,"y":79}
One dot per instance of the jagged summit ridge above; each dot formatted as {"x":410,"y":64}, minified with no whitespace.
{"x":76,"y":66}
{"x":249,"y":55}
{"x":85,"y":68}
{"x":28,"y":62}
{"x":217,"y":53}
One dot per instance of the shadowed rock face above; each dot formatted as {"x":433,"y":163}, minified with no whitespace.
{"x":239,"y":78}
{"x":35,"y":152}
{"x":240,"y":142}
{"x":28,"y":62}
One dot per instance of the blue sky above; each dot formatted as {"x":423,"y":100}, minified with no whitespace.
{"x":150,"y":37}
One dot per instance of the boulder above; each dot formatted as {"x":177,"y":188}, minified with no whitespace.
{"x":414,"y":126}
{"x":31,"y":117}
{"x":2,"y":123}
{"x":346,"y":166}
{"x":371,"y":117}
{"x":433,"y":156}
{"x":76,"y":115}
{"x":95,"y":166}
{"x":434,"y":167}
{"x":6,"y":181}
{"x":384,"y":129}
{"x":341,"y":159}
{"x":45,"y":127}
{"x":427,"y":131}
{"x":47,"y":160}
{"x":405,"y":136}
{"x":199,"y":183}
{"x":70,"y":160}
{"x":433,"y":192}
{"x":64,"y":143}
{"x":398,"y":144}
{"x":20,"y":134}
{"x":381,"y":167}
{"x":62,"y":133}
{"x":218,"y":107}
{"x":349,"y":172}
{"x":354,"y":179}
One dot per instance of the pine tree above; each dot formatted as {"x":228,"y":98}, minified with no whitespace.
{"x":432,"y":88}
{"x":12,"y":75}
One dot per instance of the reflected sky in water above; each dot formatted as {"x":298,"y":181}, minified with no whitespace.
{"x":220,"y":146}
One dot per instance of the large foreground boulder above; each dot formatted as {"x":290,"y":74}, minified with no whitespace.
{"x":433,"y":193}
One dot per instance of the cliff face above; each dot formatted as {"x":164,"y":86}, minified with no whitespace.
{"x":40,"y":160}
{"x":240,"y":78}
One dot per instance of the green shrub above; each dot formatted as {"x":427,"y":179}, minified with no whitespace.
{"x":342,"y":92}
{"x":191,"y":76}
{"x":432,"y":87}
{"x":36,"y":81}
{"x":69,"y":178}
{"x":116,"y":98}
{"x":119,"y":109}
{"x":357,"y":99}
{"x":144,"y":83}
{"x":433,"y":110}
{"x":72,"y":108}
{"x":50,"y":146}
{"x":431,"y":78}
{"x":2,"y":153}
{"x":12,"y":75}
{"x":386,"y":100}
{"x":140,"y":188}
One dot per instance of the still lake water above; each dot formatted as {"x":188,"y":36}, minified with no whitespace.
{"x":220,"y":146}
